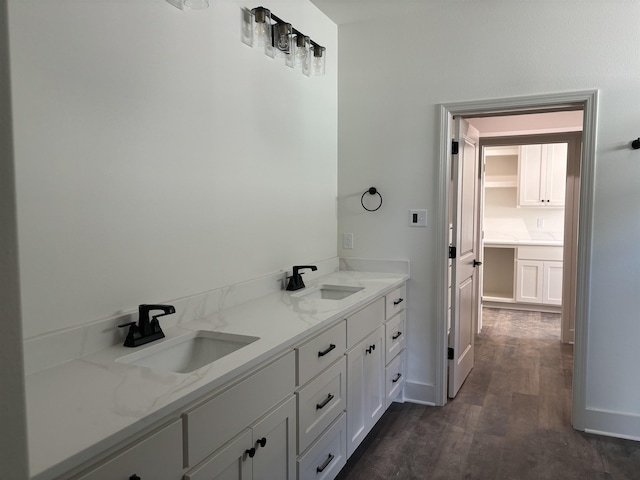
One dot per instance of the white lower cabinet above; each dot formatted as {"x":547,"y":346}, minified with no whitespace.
{"x":366,"y":397}
{"x":264,"y":451}
{"x":327,"y":456}
{"x":394,"y":379}
{"x":539,"y":275}
{"x":158,"y":456}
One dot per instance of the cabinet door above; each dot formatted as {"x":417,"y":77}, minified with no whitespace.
{"x":552,"y":289}
{"x":231,"y":462}
{"x":366,"y":397}
{"x":529,"y":278}
{"x":158,"y":456}
{"x":274,"y":438}
{"x":556,"y":174}
{"x":530,"y":176}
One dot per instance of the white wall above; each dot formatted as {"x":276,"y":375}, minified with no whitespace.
{"x":394,"y":72}
{"x":157,"y":156}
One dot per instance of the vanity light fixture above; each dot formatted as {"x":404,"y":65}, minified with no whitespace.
{"x":261,"y":28}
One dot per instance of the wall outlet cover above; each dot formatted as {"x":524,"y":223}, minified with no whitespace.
{"x":347,"y":241}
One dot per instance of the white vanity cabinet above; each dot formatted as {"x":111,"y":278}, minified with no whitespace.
{"x":264,"y":451}
{"x":542,"y":175}
{"x":321,"y":399}
{"x":247,"y":429}
{"x":158,"y":456}
{"x":539,"y":275}
{"x":366,"y":397}
{"x":395,"y":342}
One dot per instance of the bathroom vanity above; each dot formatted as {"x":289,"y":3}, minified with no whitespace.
{"x":293,"y":404}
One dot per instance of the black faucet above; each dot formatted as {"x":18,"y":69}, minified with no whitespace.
{"x":295,"y":281}
{"x":146,"y":330}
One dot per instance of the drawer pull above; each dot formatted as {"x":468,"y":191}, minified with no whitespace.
{"x":398,"y":377}
{"x":398,"y":301}
{"x":326,"y":463}
{"x":370,"y":349}
{"x":324,"y":352}
{"x":251,"y":452}
{"x":262,"y":442}
{"x":396,"y":336}
{"x":320,"y":406}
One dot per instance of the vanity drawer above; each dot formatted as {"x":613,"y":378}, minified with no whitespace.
{"x":213,"y":423}
{"x":364,"y":321}
{"x":395,"y":377}
{"x":395,"y":330}
{"x":157,"y":456}
{"x":320,"y":352}
{"x":320,"y":402}
{"x":328,"y":455}
{"x":395,"y":301}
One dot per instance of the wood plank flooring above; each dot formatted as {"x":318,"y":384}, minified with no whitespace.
{"x":511,"y":419}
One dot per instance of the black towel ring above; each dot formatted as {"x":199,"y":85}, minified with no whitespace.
{"x":371,"y":191}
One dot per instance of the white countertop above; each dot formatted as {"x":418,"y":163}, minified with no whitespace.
{"x":80,"y":408}
{"x":551,"y":239}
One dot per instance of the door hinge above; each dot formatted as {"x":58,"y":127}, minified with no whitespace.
{"x":452,"y":251}
{"x":450,"y":353}
{"x":454,"y":147}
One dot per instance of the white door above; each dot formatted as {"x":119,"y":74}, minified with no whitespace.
{"x":464,"y":291}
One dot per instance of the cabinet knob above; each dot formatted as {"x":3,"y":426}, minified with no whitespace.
{"x":262,"y":442}
{"x":251,"y":452}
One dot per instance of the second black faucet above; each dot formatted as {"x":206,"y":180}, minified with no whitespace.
{"x":295,"y":281}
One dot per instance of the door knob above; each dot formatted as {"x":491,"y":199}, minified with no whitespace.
{"x":476,"y":263}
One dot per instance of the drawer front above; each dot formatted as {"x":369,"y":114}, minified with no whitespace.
{"x":364,"y":321}
{"x":320,"y":352}
{"x":157,"y":456}
{"x":396,"y":301}
{"x":540,"y":253}
{"x":395,"y":330}
{"x":213,"y":423}
{"x":231,"y":458}
{"x":395,"y":377}
{"x":320,"y":402}
{"x":327,"y":456}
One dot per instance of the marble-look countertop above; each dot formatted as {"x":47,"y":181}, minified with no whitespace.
{"x":551,"y":239}
{"x":88,"y":405}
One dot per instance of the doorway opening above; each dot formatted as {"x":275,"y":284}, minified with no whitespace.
{"x":587,"y":103}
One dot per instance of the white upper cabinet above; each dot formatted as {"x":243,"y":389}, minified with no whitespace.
{"x":542,"y":173}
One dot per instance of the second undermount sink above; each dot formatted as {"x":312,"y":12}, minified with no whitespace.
{"x":188,"y":352}
{"x":328,"y":292}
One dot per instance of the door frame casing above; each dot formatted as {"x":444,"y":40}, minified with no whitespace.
{"x":587,"y":101}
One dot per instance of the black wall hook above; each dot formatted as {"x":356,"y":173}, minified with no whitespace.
{"x":371,"y":191}
{"x":636,"y":144}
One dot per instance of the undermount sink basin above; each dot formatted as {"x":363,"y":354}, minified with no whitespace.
{"x":328,"y":292}
{"x":188,"y":352}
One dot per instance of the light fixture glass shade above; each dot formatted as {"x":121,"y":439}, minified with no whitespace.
{"x":317,"y":60}
{"x":282,"y":40}
{"x":261,"y":29}
{"x":300,"y":53}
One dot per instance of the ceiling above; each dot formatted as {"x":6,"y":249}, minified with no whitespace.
{"x":350,"y":11}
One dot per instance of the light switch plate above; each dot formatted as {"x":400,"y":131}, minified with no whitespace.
{"x":417,"y":218}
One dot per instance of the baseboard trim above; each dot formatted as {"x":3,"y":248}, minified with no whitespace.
{"x":612,"y":424}
{"x":420,"y":393}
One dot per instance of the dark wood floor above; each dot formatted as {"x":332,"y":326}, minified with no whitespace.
{"x":511,"y":419}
